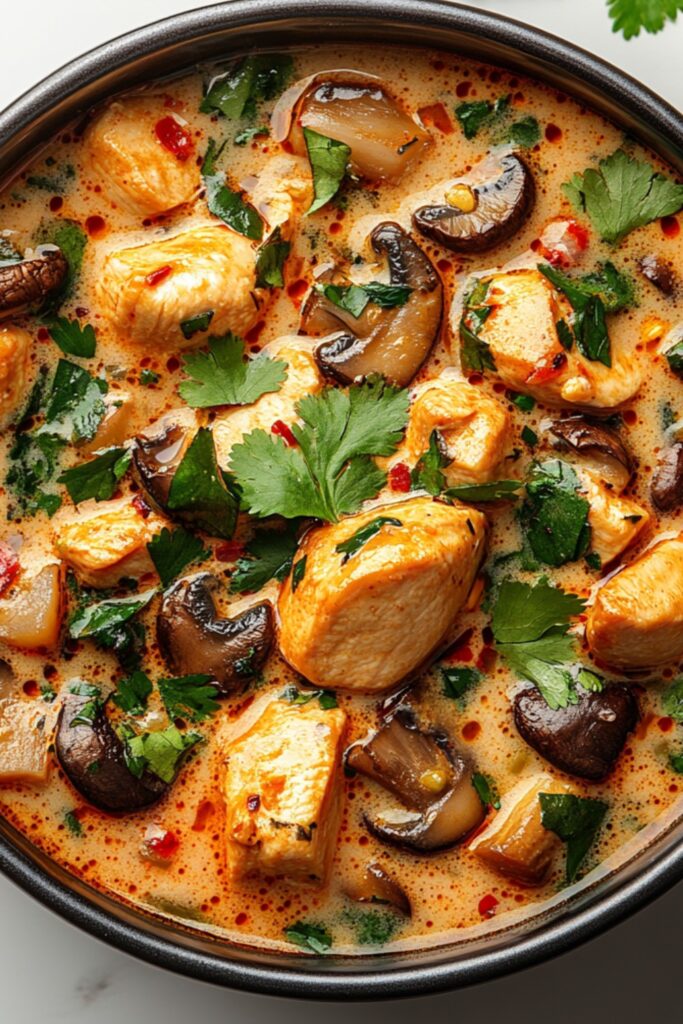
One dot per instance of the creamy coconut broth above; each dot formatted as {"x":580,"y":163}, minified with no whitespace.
{"x":356,"y":761}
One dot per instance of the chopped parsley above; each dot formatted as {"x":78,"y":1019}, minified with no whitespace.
{"x":576,"y":820}
{"x":524,"y":133}
{"x":268,"y":556}
{"x":327,"y":699}
{"x":328,"y":159}
{"x":475,"y":351}
{"x":73,"y":824}
{"x":172,"y":551}
{"x":222,"y":376}
{"x":190,"y":697}
{"x":109,"y":624}
{"x":477,"y":114}
{"x":158,"y":752}
{"x":309,"y":936}
{"x":298,"y":572}
{"x":225,"y":203}
{"x":249,"y":134}
{"x":72,"y":240}
{"x":348,"y":548}
{"x":554,"y":516}
{"x":674,"y":357}
{"x":148,"y":378}
{"x":630,"y":16}
{"x":529,"y":436}
{"x":372,"y":927}
{"x":73,"y":339}
{"x":97,"y":478}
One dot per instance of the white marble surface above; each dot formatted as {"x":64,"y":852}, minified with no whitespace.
{"x":50,"y":972}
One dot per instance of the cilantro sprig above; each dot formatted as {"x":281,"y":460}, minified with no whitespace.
{"x":173,"y":551}
{"x":554,"y":516}
{"x":73,"y":339}
{"x":331,"y":471}
{"x":222,"y":376}
{"x":576,"y":820}
{"x":328,"y":159}
{"x":97,"y":478}
{"x":353,"y":298}
{"x":630,"y":16}
{"x":224,"y":202}
{"x":237,"y":92}
{"x":189,"y":697}
{"x":268,"y":556}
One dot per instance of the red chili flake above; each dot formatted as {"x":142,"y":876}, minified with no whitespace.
{"x":253,"y":802}
{"x":9,"y":566}
{"x":158,"y":275}
{"x":56,"y":203}
{"x":666,"y":724}
{"x":487,"y":905}
{"x":164,"y":844}
{"x":470,"y":730}
{"x":579,"y":233}
{"x":399,"y":478}
{"x":229,"y":551}
{"x":95,"y":225}
{"x":282,"y":430}
{"x":174,"y":137}
{"x":670,"y":226}
{"x":553,"y":133}
{"x":287,"y":146}
{"x":546,"y":371}
{"x":141,"y":506}
{"x":436,"y":115}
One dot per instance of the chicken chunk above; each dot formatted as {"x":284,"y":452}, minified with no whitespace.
{"x":283,"y":191}
{"x":283,"y":793}
{"x":25,"y":732}
{"x":31,"y":610}
{"x":211,"y":270}
{"x":105,"y":541}
{"x":15,"y":353}
{"x":636,"y":620}
{"x":615,"y":521}
{"x":522,"y":339}
{"x":303,"y":378}
{"x":365,"y":620}
{"x":473,"y":428}
{"x":515,"y":842}
{"x":127,"y":156}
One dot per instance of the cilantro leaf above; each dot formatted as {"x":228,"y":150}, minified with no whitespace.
{"x":248,"y":134}
{"x":75,"y":406}
{"x":309,"y":936}
{"x":236,"y":92}
{"x":73,"y":339}
{"x":327,"y":699}
{"x":328,"y":159}
{"x":475,"y":351}
{"x":194,"y":324}
{"x":372,"y":927}
{"x":575,"y":820}
{"x":198,"y":489}
{"x":225,"y":203}
{"x":159,"y":752}
{"x":72,"y":240}
{"x":172,"y":551}
{"x":457,"y":681}
{"x":495,"y":490}
{"x":132,"y":693}
{"x":270,"y":557}
{"x":474,"y":115}
{"x":674,"y":357}
{"x":353,"y":298}
{"x":222,"y":376}
{"x":672,"y":701}
{"x":622,"y":195}
{"x":330,"y":473}
{"x":427,"y":475}
{"x":96,"y":619}
{"x":33,"y":463}
{"x":73,"y":824}
{"x":525,"y":133}
{"x":554,"y":516}
{"x":98,"y":478}
{"x":357,"y":540}
{"x":191,"y":697}
{"x":487,"y":790}
{"x":629,"y":16}
{"x":298,"y":572}
{"x":271,"y":260}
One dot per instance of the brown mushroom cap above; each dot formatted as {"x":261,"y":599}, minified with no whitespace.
{"x":159,"y":451}
{"x":666,"y":487}
{"x":393,"y":342}
{"x":376,"y":886}
{"x":110,"y":786}
{"x":658,"y":272}
{"x":502,"y":205}
{"x":583,"y":739}
{"x":27,"y":284}
{"x":193,"y":639}
{"x":433,"y":783}
{"x":597,"y":443}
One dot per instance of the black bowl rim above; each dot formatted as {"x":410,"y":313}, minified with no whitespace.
{"x":658,"y":124}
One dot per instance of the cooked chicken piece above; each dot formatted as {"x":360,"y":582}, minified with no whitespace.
{"x":515,"y":842}
{"x":303,"y":378}
{"x":522,"y":337}
{"x":365,"y":620}
{"x":283,"y":787}
{"x":636,"y":620}
{"x":473,"y":428}
{"x":128,"y":157}
{"x":31,"y":610}
{"x":25,"y":732}
{"x":283,"y":191}
{"x":212,"y":269}
{"x":615,"y":521}
{"x":15,"y":352}
{"x":105,"y":541}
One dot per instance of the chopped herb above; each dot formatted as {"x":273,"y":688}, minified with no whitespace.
{"x":223,"y":202}
{"x":132,"y":693}
{"x":328,"y":159}
{"x":353,"y":298}
{"x":327,"y":699}
{"x":194,"y":324}
{"x":524,"y":402}
{"x":676,"y":763}
{"x":98,"y":478}
{"x":199,"y":490}
{"x":457,"y":681}
{"x":82,"y":689}
{"x":222,"y":376}
{"x":564,"y":333}
{"x":87,"y":713}
{"x":575,"y":820}
{"x":249,"y":134}
{"x":309,"y":936}
{"x":524,"y":133}
{"x":236,"y":92}
{"x":372,"y":927}
{"x":594,"y":561}
{"x":75,"y":407}
{"x":476,"y":354}
{"x":477,"y":114}
{"x":270,"y":557}
{"x":672,"y":701}
{"x":47,"y":693}
{"x":426,"y":474}
{"x":330,"y":473}
{"x":487,"y":790}
{"x":554,"y":516}
{"x":73,"y":824}
{"x":495,"y":490}
{"x":73,"y":339}
{"x":674,"y":357}
{"x":148,"y":377}
{"x":271,"y":260}
{"x":159,"y":752}
{"x":108,"y":624}
{"x":72,"y":240}
{"x":298,"y":572}
{"x":348,"y":548}
{"x":529,"y":436}
{"x":192,"y":697}
{"x":173,"y":551}
{"x":622,"y":195}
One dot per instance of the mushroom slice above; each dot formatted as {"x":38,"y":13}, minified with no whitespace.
{"x":600,"y":448}
{"x":28,"y":283}
{"x":193,"y":638}
{"x":479,"y":216}
{"x":582,"y":739}
{"x":666,"y":487}
{"x":376,"y":886}
{"x":83,"y":743}
{"x":434,"y":784}
{"x":159,"y":451}
{"x":393,"y":342}
{"x":356,"y":109}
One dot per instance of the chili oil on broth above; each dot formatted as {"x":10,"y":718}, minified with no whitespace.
{"x":445,"y":890}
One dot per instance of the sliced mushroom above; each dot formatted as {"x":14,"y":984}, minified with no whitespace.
{"x":93,"y":758}
{"x":666,"y":488}
{"x":356,"y":109}
{"x":376,"y":886}
{"x":658,"y":272}
{"x":193,"y":638}
{"x":393,"y":342}
{"x":159,"y":451}
{"x":599,"y":446}
{"x":480,"y":215}
{"x":27,"y":284}
{"x":583,"y":739}
{"x":433,"y":783}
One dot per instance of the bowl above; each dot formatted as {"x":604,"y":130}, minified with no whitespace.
{"x":644,"y":868}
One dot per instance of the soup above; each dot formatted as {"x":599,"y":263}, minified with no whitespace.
{"x":342,"y":479}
